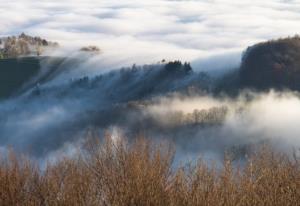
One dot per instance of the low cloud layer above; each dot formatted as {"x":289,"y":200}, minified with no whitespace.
{"x":134,"y":31}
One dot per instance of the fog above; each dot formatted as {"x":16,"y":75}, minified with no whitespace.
{"x":250,"y":118}
{"x":89,"y":92}
{"x":55,"y":117}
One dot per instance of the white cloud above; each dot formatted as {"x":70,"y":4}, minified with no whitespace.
{"x":148,"y":31}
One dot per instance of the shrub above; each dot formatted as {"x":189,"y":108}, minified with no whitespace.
{"x":117,"y":172}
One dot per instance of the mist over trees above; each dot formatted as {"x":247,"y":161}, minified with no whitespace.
{"x":119,"y":129}
{"x":149,"y":103}
{"x":120,"y":97}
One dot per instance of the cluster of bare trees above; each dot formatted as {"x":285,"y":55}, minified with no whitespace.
{"x":117,"y":173}
{"x":214,"y":115}
{"x":23,"y":45}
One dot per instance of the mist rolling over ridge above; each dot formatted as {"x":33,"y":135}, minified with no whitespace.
{"x":58,"y":101}
{"x":158,"y":102}
{"x":188,"y":78}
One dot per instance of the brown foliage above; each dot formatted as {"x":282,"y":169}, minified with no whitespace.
{"x":116,"y":172}
{"x":23,"y":45}
{"x":272,"y":64}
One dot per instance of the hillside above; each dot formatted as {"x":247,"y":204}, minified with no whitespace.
{"x":19,"y":74}
{"x":16,"y":72}
{"x":272,"y":64}
{"x":131,"y":98}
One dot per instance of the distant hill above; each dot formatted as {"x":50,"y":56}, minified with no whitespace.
{"x":20,"y":74}
{"x":273,"y":64}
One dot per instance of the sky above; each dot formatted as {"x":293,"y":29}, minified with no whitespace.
{"x":135,"y":31}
